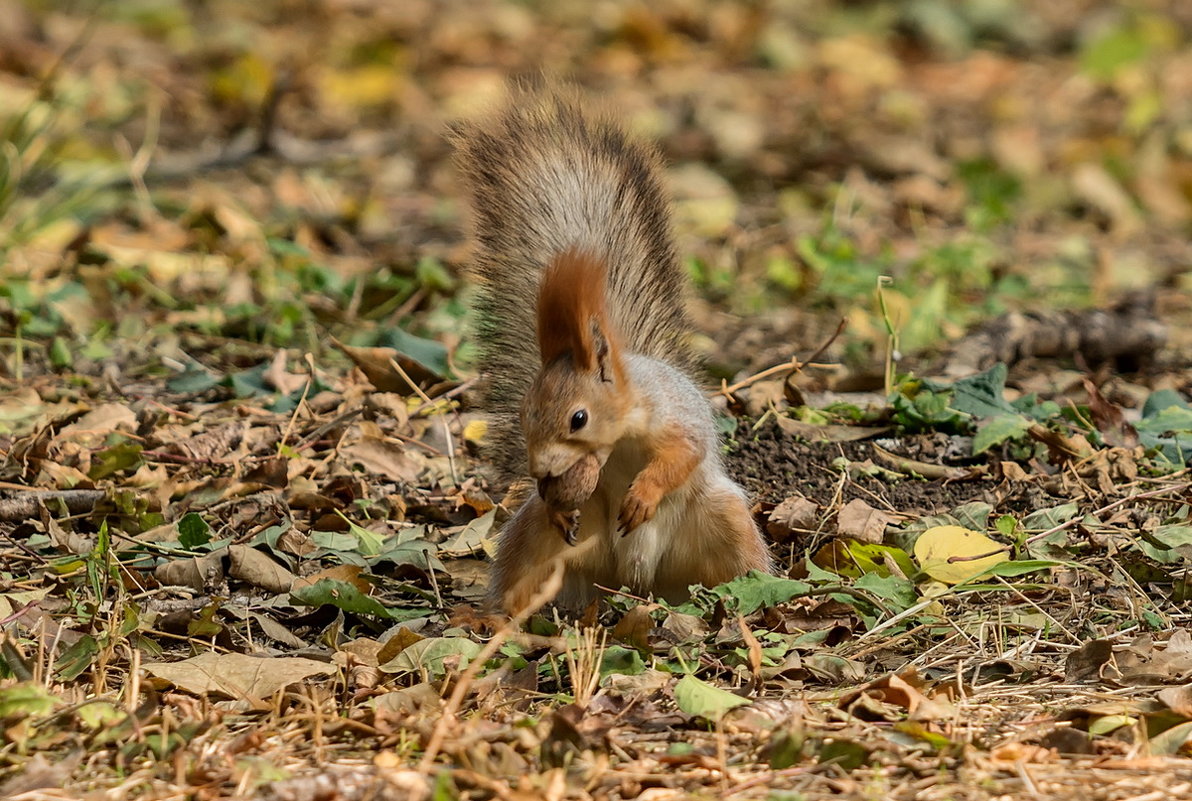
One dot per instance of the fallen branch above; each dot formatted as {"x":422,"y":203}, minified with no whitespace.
{"x":27,"y":504}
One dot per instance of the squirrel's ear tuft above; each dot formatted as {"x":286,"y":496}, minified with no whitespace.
{"x":571,"y":316}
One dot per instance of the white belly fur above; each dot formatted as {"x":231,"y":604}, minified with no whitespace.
{"x":606,"y":557}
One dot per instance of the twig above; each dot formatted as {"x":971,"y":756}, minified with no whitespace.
{"x":549,"y":589}
{"x":426,"y":401}
{"x":794,"y":365}
{"x":1109,"y":508}
{"x":448,"y":395}
{"x":77,"y":501}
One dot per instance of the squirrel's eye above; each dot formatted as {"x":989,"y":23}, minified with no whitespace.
{"x":579,"y":420}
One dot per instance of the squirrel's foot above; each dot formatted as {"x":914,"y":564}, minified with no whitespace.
{"x":567,"y":523}
{"x":639,"y":506}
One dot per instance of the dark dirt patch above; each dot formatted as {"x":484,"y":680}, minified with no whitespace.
{"x":772,"y":465}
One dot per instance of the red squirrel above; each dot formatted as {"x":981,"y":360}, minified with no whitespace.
{"x":588,"y":373}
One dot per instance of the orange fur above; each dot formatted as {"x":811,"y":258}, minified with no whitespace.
{"x":571,"y":311}
{"x":673,"y":458}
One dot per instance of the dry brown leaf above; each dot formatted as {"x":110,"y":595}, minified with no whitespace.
{"x":899,"y":691}
{"x":377,"y":366}
{"x":237,"y":676}
{"x":249,"y":564}
{"x":1085,"y":663}
{"x":634,"y":628}
{"x":794,"y":515}
{"x":382,"y":458}
{"x":197,"y":572}
{"x":860,"y":521}
{"x":92,"y":429}
{"x":410,"y":700}
{"x":348,"y":573}
{"x":1177,"y":699}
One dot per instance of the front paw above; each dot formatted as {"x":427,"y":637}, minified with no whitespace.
{"x":639,"y":506}
{"x":568,"y":524}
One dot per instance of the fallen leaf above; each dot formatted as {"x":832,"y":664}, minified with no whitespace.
{"x":794,"y":515}
{"x":946,"y":553}
{"x":860,"y":521}
{"x":700,"y":699}
{"x":1085,"y":662}
{"x":382,"y":458}
{"x":237,"y":675}
{"x":249,"y":564}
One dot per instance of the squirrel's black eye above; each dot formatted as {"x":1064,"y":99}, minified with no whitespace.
{"x":579,"y":419}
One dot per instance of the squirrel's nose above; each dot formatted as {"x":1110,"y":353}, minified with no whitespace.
{"x":539,"y":469}
{"x":549,"y":461}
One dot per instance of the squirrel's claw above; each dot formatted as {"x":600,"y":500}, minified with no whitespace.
{"x":568,"y":525}
{"x":635,"y":510}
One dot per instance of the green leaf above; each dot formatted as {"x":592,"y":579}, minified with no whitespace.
{"x":1108,"y":53}
{"x":410,"y":547}
{"x":621,"y":660}
{"x":924,"y":408}
{"x":194,"y":381}
{"x":698,"y":698}
{"x":24,"y":700}
{"x":847,"y":755}
{"x":997,"y":430}
{"x":1166,"y":426}
{"x":60,"y":353}
{"x":1044,"y":519}
{"x":1171,"y":741}
{"x":345,"y":596}
{"x":1006,"y":525}
{"x":428,"y":353}
{"x":755,"y":590}
{"x":431,"y":655}
{"x":898,"y":592}
{"x":981,"y":396}
{"x":119,"y":458}
{"x":1019,"y":568}
{"x":1174,"y":535}
{"x":1163,"y":399}
{"x":193,"y":531}
{"x":974,"y":515}
{"x":369,"y":542}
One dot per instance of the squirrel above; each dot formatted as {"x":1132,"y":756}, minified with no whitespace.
{"x":588,"y":376}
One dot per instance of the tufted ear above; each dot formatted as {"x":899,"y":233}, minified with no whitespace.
{"x":571,"y":315}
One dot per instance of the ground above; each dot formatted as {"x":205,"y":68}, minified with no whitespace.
{"x":940,"y":265}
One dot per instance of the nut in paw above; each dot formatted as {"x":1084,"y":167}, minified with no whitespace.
{"x":564,"y":494}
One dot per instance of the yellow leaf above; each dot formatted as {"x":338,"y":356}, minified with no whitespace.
{"x":475,"y":430}
{"x":946,"y":553}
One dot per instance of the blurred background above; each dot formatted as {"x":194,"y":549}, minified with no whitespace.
{"x":207,"y":182}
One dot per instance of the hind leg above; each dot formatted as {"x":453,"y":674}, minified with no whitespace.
{"x":527,"y":550}
{"x":526,"y":553}
{"x":716,"y":542}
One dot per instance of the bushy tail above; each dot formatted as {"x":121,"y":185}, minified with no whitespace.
{"x":546,"y":175}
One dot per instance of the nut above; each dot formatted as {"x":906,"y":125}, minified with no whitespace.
{"x":568,"y":491}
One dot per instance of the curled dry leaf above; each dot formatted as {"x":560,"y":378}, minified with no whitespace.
{"x":903,"y":691}
{"x":795,"y":514}
{"x":196,"y":572}
{"x":249,"y":564}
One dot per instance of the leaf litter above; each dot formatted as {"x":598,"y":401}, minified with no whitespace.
{"x":243,"y":523}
